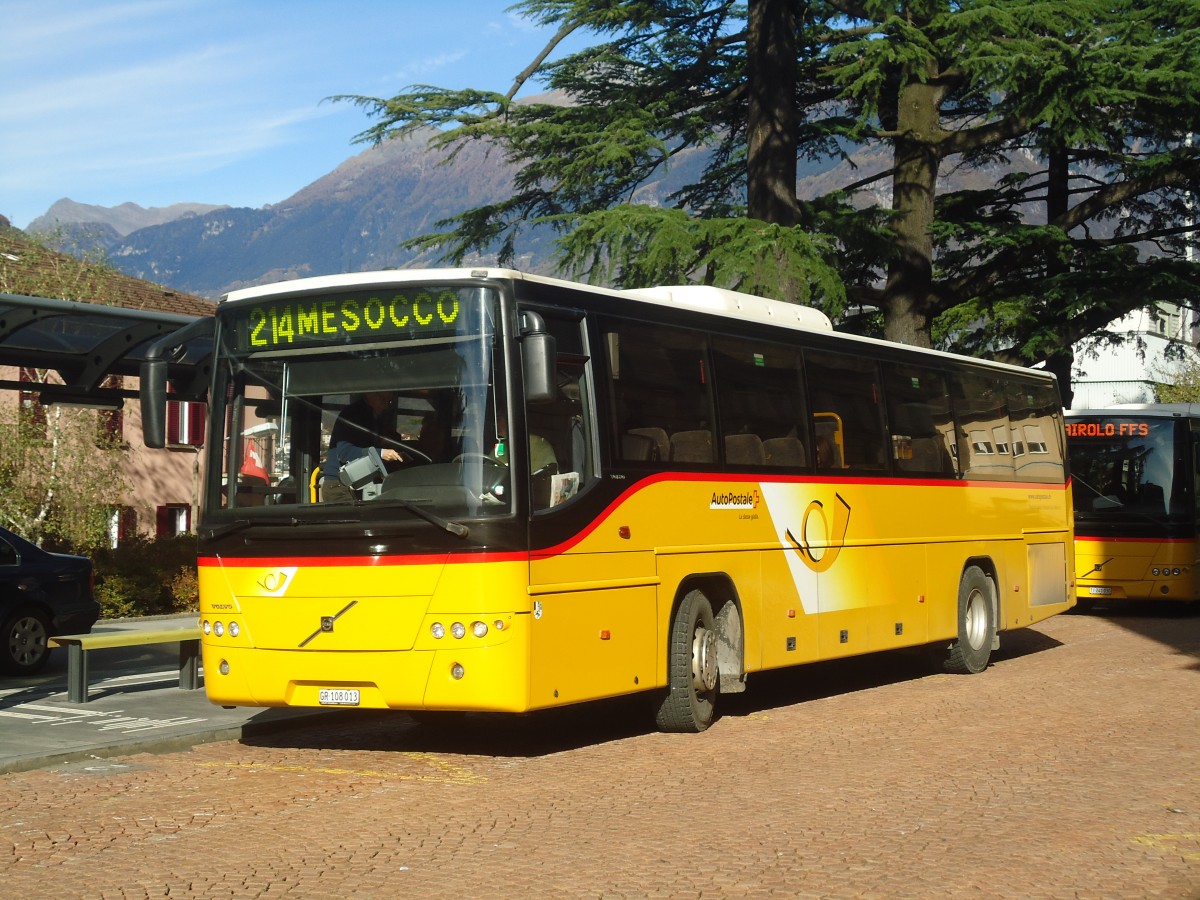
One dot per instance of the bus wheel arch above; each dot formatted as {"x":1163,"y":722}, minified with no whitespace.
{"x":978,"y":619}
{"x":704,"y":653}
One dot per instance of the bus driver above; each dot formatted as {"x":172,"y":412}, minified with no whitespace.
{"x":364,"y":423}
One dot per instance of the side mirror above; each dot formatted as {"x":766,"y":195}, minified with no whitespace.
{"x":152,"y":378}
{"x":539,"y":359}
{"x":152,"y":394}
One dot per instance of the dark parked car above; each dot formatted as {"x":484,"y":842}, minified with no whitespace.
{"x":41,"y":594}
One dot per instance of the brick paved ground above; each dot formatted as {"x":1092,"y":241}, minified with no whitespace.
{"x":1068,"y":769}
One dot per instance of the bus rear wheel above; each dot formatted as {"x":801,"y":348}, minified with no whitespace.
{"x":969,"y":655}
{"x":690,"y":702}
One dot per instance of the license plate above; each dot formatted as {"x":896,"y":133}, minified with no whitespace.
{"x":1100,"y":591}
{"x":338,"y":697}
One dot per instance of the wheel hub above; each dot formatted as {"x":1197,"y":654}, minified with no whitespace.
{"x":704,"y":659}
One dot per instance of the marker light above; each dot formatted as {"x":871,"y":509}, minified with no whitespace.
{"x":499,"y":624}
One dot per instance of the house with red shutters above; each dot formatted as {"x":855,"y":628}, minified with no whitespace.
{"x":70,"y":336}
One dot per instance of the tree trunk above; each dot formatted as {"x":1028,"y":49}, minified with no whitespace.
{"x":906,"y":304}
{"x":1061,"y":361}
{"x":1061,"y":364}
{"x":772,"y":121}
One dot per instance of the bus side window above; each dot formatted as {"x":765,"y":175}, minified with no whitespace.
{"x":984,"y":434}
{"x":846,"y":410}
{"x":661,"y":394}
{"x":919,"y":420}
{"x":1034,"y":412}
{"x":760,"y":398}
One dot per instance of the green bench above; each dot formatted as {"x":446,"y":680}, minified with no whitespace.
{"x":80,"y":645}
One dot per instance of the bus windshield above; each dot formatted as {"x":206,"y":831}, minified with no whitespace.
{"x":387,"y":399}
{"x":1124,"y":466}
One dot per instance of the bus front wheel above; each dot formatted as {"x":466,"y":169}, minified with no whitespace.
{"x":976,"y":624}
{"x":692,"y":668}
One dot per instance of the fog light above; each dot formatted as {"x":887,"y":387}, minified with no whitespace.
{"x":438,"y":630}
{"x":206,"y":627}
{"x":458,"y":629}
{"x":219,"y":629}
{"x":223,"y":668}
{"x":479,"y":629}
{"x":457,"y":671}
{"x":234,"y":629}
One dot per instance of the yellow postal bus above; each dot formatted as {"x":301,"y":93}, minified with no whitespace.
{"x":1134,"y":470}
{"x":484,"y":490}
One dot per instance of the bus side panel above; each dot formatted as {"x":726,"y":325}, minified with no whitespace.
{"x":787,"y":624}
{"x":594,"y":631}
{"x":876,"y":602}
{"x":589,"y":644}
{"x":1051,"y":576}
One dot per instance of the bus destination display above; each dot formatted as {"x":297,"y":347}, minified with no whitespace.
{"x":1107,"y":428}
{"x":354,"y":317}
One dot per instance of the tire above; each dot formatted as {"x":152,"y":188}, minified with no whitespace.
{"x":23,"y":642}
{"x":692,"y":677}
{"x":969,"y":655}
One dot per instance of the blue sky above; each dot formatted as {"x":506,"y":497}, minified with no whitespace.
{"x":220,"y":101}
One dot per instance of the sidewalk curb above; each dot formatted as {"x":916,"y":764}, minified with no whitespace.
{"x":171,"y":744}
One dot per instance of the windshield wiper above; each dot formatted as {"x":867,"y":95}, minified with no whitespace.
{"x":455,"y":528}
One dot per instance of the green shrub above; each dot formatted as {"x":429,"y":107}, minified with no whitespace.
{"x":144,"y":577}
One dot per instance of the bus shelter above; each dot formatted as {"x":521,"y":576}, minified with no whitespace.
{"x":87,"y":344}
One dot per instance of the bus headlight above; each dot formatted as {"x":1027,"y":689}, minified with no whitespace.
{"x":219,"y":629}
{"x":234,"y":629}
{"x":438,"y":630}
{"x":206,"y":626}
{"x":479,"y":629}
{"x":458,"y":629}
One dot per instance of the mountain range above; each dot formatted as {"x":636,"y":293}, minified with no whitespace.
{"x":353,"y":219}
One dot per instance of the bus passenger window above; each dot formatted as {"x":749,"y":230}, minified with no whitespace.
{"x":918,"y":411}
{"x":984,"y":434}
{"x":661,"y":395}
{"x":1034,"y":413}
{"x":760,"y":399}
{"x":846,"y":411}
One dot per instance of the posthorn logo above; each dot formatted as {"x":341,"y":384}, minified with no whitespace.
{"x":736,"y":499}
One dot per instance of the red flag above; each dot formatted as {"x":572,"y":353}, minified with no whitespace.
{"x":252,"y":464}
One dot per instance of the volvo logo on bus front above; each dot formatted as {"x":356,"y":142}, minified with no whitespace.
{"x":327,"y":623}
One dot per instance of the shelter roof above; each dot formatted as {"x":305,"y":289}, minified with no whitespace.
{"x":87,"y":322}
